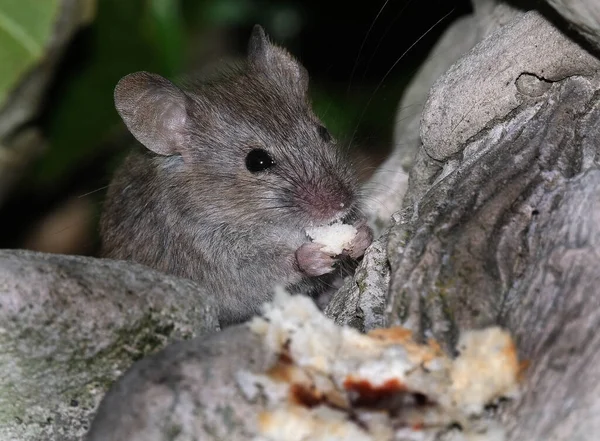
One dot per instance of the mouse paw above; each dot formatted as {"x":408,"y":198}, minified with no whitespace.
{"x":312,"y":261}
{"x":361,"y":241}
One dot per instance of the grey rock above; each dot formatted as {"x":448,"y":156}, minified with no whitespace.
{"x":69,"y":326}
{"x":360,"y":303}
{"x":553,"y":308}
{"x":186,"y":392}
{"x":466,"y":217}
{"x":491,"y":15}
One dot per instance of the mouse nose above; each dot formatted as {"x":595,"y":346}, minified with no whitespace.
{"x":327,"y":202}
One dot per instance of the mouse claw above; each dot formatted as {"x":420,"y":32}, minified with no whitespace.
{"x":312,"y":261}
{"x":361,"y":241}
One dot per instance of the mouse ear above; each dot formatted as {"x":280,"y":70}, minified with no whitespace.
{"x":154,"y":111}
{"x":276,"y":62}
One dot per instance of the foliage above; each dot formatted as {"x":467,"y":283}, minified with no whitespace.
{"x":25,"y":28}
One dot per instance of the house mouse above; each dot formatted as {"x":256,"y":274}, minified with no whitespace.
{"x":226,"y":177}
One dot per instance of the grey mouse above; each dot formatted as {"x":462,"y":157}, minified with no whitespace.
{"x":229,"y":174}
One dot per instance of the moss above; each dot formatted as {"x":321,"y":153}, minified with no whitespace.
{"x":229,"y":420}
{"x":150,"y":334}
{"x":406,"y":235}
{"x":443,"y":300}
{"x":172,"y":431}
{"x":71,"y":372}
{"x":402,"y":306}
{"x":209,"y":429}
{"x":362,"y":286}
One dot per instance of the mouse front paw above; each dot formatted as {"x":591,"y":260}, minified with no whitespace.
{"x":361,"y":241}
{"x":312,"y":261}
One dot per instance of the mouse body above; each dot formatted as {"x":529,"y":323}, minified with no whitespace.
{"x":227,"y":175}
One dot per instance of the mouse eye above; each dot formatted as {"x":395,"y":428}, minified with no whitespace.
{"x":259,"y":160}
{"x":324,"y":133}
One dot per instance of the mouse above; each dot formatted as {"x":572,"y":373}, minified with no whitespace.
{"x":226,"y":175}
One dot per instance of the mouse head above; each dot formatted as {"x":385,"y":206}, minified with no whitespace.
{"x":245,"y":146}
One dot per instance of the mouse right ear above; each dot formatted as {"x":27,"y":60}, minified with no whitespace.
{"x":154,"y":111}
{"x":276,"y":62}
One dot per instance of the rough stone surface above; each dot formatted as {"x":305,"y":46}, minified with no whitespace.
{"x":189,"y":388}
{"x":463,"y":232}
{"x":388,"y":186}
{"x":553,"y":309}
{"x":69,"y":326}
{"x":491,"y":15}
{"x":360,"y":303}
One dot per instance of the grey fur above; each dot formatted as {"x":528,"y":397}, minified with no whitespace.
{"x":188,"y":206}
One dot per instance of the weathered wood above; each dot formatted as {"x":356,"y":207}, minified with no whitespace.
{"x":502,"y":225}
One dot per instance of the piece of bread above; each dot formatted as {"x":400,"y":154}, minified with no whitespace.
{"x":329,"y":382}
{"x":335,"y":237}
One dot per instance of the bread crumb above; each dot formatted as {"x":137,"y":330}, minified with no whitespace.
{"x":329,"y":382}
{"x":335,"y":237}
{"x":486,"y":367}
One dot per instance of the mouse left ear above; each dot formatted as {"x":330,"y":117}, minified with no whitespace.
{"x":277,"y":63}
{"x":154,"y":111}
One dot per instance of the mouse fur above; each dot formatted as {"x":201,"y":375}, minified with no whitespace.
{"x":185,"y":201}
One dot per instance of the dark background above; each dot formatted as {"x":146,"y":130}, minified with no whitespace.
{"x":348,"y":49}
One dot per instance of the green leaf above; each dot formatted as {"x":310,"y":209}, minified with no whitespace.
{"x":25,"y":29}
{"x":166,"y":27}
{"x":123,"y":39}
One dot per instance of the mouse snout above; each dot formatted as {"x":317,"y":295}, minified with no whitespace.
{"x":325,"y":204}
